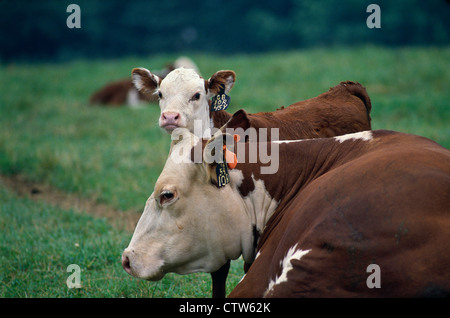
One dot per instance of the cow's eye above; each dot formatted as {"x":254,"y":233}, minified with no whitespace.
{"x":159,"y":95}
{"x":167,"y":197}
{"x":195,"y":97}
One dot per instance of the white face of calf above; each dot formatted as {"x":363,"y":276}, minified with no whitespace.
{"x":188,"y":224}
{"x":183,"y":95}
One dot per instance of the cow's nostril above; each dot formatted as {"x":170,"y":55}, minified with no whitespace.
{"x":126,"y":263}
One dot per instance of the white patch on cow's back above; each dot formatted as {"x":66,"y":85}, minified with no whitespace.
{"x":286,"y":266}
{"x":362,"y":135}
{"x":287,"y":141}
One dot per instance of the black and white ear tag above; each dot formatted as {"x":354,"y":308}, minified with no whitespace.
{"x":223,"y":178}
{"x":221,"y":101}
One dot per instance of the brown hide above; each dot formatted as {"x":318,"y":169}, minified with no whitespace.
{"x":116,"y":93}
{"x":343,"y":109}
{"x":384,"y":201}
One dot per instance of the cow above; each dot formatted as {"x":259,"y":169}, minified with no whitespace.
{"x":118,"y":93}
{"x":335,"y":209}
{"x":185,"y":97}
{"x":123,"y":92}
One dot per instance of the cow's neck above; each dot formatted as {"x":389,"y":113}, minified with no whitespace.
{"x":219,"y":118}
{"x":300,"y":163}
{"x":211,"y":123}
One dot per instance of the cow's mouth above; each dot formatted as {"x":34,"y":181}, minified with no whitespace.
{"x":170,"y":127}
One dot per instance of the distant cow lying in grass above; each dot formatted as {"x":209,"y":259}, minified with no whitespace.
{"x":359,"y":215}
{"x":185,"y":97}
{"x":123,"y":92}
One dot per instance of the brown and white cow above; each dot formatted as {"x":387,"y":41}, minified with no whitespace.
{"x":185,"y":98}
{"x":335,"y":208}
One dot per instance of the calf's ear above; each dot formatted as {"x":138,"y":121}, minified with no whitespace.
{"x":144,"y":81}
{"x":220,"y":80}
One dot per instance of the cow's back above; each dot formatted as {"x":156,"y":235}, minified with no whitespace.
{"x":389,"y":207}
{"x":344,"y":109}
{"x":118,"y":93}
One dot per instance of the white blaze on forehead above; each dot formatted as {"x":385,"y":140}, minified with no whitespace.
{"x":363,"y":135}
{"x":286,"y":266}
{"x":182,"y":80}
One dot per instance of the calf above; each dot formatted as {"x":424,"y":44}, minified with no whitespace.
{"x":185,"y":98}
{"x":334,"y":207}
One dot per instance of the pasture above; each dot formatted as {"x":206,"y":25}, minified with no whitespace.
{"x":113,"y":156}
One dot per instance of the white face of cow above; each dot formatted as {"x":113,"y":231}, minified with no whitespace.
{"x":188,"y":224}
{"x":183,"y":95}
{"x":182,"y":99}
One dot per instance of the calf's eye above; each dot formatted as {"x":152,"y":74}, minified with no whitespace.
{"x":195,"y":97}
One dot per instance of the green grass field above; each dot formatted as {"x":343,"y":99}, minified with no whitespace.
{"x":49,"y":134}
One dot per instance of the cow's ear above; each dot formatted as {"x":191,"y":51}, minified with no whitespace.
{"x":213,"y":154}
{"x":220,"y":80}
{"x":216,"y":150}
{"x":144,"y":81}
{"x":239,"y":120}
{"x":238,"y":124}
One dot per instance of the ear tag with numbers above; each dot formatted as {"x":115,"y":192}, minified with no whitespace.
{"x":223,"y":177}
{"x":221,"y":101}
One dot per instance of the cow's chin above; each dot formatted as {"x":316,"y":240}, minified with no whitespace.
{"x":155,"y":276}
{"x":150,"y":273}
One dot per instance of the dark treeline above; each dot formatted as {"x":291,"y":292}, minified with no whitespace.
{"x":36,"y":30}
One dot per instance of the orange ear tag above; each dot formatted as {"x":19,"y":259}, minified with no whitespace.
{"x":230,"y":157}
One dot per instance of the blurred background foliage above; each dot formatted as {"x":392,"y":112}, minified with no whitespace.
{"x":36,"y":30}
